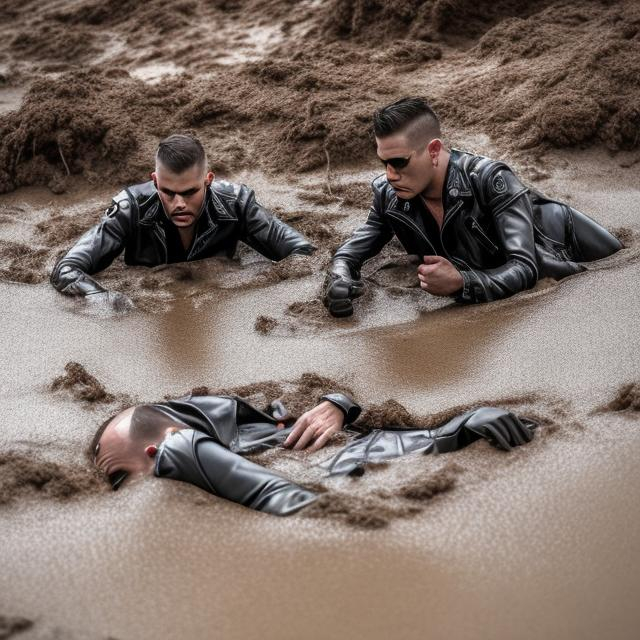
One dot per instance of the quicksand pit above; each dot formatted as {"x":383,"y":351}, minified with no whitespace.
{"x":399,"y":489}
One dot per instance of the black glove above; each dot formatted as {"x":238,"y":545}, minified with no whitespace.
{"x":501,"y":428}
{"x":192,"y":456}
{"x":341,"y":286}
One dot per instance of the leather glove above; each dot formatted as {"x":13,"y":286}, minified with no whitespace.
{"x":341,"y":286}
{"x":502,"y":429}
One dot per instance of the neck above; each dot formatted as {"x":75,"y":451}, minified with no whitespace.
{"x":434,"y":188}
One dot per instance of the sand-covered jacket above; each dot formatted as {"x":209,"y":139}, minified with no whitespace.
{"x":219,"y":428}
{"x":501,"y":235}
{"x":134,"y":224}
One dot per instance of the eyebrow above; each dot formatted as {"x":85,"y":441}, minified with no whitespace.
{"x":186,"y":192}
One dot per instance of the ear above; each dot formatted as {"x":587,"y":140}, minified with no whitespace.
{"x":154,"y":177}
{"x":434,"y":148}
{"x":151,"y":450}
{"x":210,"y":176}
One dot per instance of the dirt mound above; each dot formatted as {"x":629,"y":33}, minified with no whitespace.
{"x":574,"y":98}
{"x":22,"y":263}
{"x":81,"y":385}
{"x":24,"y":476}
{"x":12,"y":625}
{"x":627,"y":398}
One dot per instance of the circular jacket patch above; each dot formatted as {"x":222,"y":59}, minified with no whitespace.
{"x":498,"y":184}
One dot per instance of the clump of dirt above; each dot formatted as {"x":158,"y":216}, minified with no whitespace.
{"x":51,"y":41}
{"x":24,"y":475}
{"x":391,"y":413}
{"x":265,"y":324}
{"x":363,"y":512}
{"x":626,"y":399}
{"x":428,"y":485}
{"x":22,"y":263}
{"x":81,"y":385}
{"x":12,"y":625}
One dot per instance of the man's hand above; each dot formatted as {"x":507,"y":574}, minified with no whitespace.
{"x":439,"y":277}
{"x":316,"y":426}
{"x":111,"y":300}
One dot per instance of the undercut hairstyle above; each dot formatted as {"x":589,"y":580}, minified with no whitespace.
{"x":147,"y":424}
{"x":180,"y":152}
{"x":411,"y":116}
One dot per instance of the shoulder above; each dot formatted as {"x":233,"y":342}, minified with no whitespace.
{"x":379,"y":184}
{"x":228,"y":190}
{"x":495,"y":178}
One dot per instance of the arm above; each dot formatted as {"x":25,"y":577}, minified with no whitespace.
{"x":507,"y":200}
{"x":343,"y":282}
{"x":262,"y":231}
{"x":94,"y":251}
{"x":318,"y":425}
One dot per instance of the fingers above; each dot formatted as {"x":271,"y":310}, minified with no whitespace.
{"x":322,"y":439}
{"x":426,"y":269}
{"x":298,"y":429}
{"x":432,"y":259}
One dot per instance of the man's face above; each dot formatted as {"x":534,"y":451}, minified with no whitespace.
{"x":117,"y":453}
{"x":418,"y":172}
{"x":182,"y":194}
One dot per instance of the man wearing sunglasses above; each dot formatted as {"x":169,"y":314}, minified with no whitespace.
{"x":182,"y":214}
{"x":481,"y":234}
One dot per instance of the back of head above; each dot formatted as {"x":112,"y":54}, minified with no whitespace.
{"x":180,"y":152}
{"x":411,"y":116}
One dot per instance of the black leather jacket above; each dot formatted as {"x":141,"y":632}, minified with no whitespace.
{"x":500,"y":235}
{"x":134,"y":223}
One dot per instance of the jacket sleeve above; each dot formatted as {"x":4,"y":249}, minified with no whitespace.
{"x":94,"y":251}
{"x":370,"y":238}
{"x":506,"y":200}
{"x":262,"y":231}
{"x":350,"y":409}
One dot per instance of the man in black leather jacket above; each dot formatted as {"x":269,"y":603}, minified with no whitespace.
{"x":200,"y":439}
{"x":482,"y":234}
{"x":181,"y":215}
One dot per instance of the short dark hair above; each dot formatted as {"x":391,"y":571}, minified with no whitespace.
{"x":407,"y":113}
{"x":180,"y":152}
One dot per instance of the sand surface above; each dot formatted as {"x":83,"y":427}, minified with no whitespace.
{"x":541,"y":542}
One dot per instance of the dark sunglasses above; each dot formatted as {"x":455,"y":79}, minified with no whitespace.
{"x":396,"y":163}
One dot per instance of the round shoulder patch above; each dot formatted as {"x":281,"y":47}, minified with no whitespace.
{"x":498,"y":184}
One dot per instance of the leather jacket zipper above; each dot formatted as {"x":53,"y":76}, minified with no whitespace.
{"x":414,"y":226}
{"x":159,"y":231}
{"x":484,"y":239}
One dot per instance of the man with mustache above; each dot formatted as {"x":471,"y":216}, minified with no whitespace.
{"x":181,"y":215}
{"x":481,"y":234}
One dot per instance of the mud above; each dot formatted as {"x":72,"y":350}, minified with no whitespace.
{"x":27,"y":476}
{"x":13,"y":625}
{"x":81,"y":385}
{"x":626,"y":399}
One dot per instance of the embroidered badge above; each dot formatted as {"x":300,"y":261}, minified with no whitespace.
{"x":498,"y":184}
{"x":454,"y":192}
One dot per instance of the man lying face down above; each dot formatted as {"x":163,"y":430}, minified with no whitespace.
{"x":480,"y":233}
{"x":181,"y":215}
{"x":200,"y":439}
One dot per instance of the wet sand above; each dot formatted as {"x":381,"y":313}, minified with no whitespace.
{"x":541,"y":542}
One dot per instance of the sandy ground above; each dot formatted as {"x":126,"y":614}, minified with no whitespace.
{"x":541,"y":542}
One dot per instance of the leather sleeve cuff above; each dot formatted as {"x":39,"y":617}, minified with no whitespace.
{"x":464,"y":296}
{"x":74,"y":282}
{"x":350,"y":409}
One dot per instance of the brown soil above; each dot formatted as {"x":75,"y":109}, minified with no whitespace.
{"x":81,"y":385}
{"x":265,"y":324}
{"x":12,"y":625}
{"x":626,"y":399}
{"x":296,"y":112}
{"x":429,"y":485}
{"x":24,"y":476}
